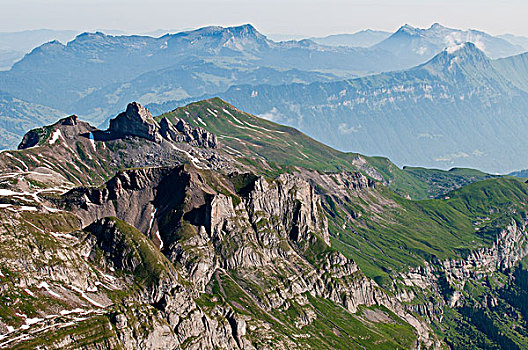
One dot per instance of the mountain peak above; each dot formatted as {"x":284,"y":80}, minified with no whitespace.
{"x":407,"y":28}
{"x":135,"y":121}
{"x":242,"y":30}
{"x":90,"y":35}
{"x":464,"y":49}
{"x":437,"y":26}
{"x":465,"y":55}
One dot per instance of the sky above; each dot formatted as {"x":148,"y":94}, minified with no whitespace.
{"x":295,"y":17}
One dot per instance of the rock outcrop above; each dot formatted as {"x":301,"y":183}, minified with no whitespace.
{"x":135,"y":121}
{"x":447,"y":278}
{"x":185,"y":132}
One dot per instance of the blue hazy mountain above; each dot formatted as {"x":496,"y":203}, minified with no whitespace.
{"x":14,"y":45}
{"x":59,"y":75}
{"x":418,"y":45}
{"x":515,"y":39}
{"x":364,"y":38}
{"x":18,"y":116}
{"x":95,"y":74}
{"x":458,"y":109}
{"x":515,"y":68}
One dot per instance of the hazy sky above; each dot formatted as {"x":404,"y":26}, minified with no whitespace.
{"x":302,"y":17}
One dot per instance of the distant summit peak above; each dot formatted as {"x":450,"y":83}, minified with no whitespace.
{"x":86,"y":35}
{"x":244,"y":29}
{"x":464,"y":48}
{"x":437,"y":25}
{"x":465,"y":55}
{"x":406,"y":29}
{"x":453,"y":49}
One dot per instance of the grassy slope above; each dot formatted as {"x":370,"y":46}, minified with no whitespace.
{"x":276,"y":148}
{"x":408,"y":231}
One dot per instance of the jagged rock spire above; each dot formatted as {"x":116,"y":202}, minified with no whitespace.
{"x":135,"y":121}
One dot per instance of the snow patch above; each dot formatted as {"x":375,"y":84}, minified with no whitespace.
{"x":18,"y":160}
{"x":55,"y":136}
{"x":86,"y":297}
{"x":74,"y":311}
{"x":61,"y":235}
{"x":46,"y":286}
{"x":30,"y":321}
{"x":4,"y":192}
{"x":452,"y":49}
{"x":213,"y":113}
{"x":201,"y":121}
{"x":27,"y":208}
{"x":159,"y":238}
{"x":152,"y":218}
{"x":232,"y":116}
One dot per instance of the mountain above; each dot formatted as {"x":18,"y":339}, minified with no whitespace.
{"x":418,"y":45}
{"x":520,"y":173}
{"x":457,"y":110}
{"x":515,"y":68}
{"x":8,"y":57}
{"x":208,"y":228}
{"x":364,"y":38}
{"x":14,"y":45}
{"x":193,"y":77}
{"x":17,"y":116}
{"x":516,"y":40}
{"x":63,"y":76}
{"x":95,"y":73}
{"x":26,"y":40}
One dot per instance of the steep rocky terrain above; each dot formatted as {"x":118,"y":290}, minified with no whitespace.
{"x":180,"y":232}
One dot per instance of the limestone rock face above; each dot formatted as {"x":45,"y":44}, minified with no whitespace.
{"x":247,"y":232}
{"x":135,"y":121}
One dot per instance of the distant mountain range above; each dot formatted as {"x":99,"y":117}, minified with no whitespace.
{"x":95,"y":61}
{"x":458,"y":109}
{"x":417,"y":45}
{"x":516,"y":40}
{"x":424,"y":110}
{"x":14,"y":45}
{"x":364,"y":38}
